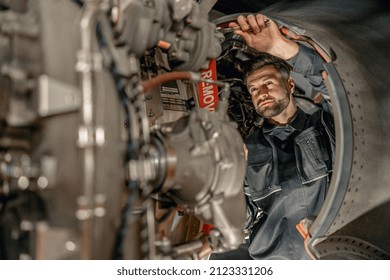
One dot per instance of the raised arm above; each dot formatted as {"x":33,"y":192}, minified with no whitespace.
{"x":263,"y":35}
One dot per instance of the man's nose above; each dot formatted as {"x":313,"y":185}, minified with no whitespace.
{"x":262,"y":93}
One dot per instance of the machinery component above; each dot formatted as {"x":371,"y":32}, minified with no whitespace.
{"x":56,"y":97}
{"x":63,"y":146}
{"x":187,"y":35}
{"x":234,"y":52}
{"x":200,"y":152}
{"x":190,"y":162}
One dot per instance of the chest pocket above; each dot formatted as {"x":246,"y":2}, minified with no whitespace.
{"x":312,"y":154}
{"x":259,"y":174}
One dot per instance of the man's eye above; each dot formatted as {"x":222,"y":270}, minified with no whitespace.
{"x":269,"y":83}
{"x":252,"y":90}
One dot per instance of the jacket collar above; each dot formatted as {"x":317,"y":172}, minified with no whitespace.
{"x":297,"y":123}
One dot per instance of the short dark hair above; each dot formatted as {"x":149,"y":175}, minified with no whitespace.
{"x":263,"y":59}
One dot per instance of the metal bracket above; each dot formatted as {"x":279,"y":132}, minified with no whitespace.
{"x":56,"y":97}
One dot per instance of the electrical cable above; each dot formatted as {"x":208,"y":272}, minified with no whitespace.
{"x":125,"y":102}
{"x":178,"y":75}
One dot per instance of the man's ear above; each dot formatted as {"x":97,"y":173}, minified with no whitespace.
{"x":291,"y":85}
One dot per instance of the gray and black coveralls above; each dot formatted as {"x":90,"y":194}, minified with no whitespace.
{"x":288,"y":171}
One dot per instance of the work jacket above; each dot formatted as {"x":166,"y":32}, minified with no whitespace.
{"x":288,"y":172}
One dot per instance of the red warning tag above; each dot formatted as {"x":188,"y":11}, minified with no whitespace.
{"x":208,"y":93}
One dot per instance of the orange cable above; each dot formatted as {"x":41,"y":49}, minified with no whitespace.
{"x":160,"y":79}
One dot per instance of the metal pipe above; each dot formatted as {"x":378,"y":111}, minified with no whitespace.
{"x":86,"y":131}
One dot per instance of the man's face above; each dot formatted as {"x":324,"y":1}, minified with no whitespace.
{"x":270,"y":92}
